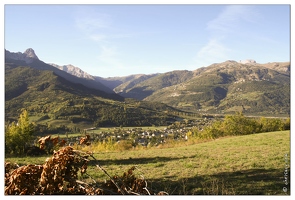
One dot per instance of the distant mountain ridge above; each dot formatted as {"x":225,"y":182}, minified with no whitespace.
{"x":55,"y":98}
{"x":29,"y":58}
{"x":231,"y":86}
{"x":217,"y":88}
{"x":214,"y":88}
{"x":225,"y":87}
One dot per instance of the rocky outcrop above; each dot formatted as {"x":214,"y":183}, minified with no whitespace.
{"x":76,"y":71}
{"x":247,"y":61}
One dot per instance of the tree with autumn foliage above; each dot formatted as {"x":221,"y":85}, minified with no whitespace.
{"x":19,"y":135}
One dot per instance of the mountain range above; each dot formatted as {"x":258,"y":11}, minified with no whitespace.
{"x":225,"y":87}
{"x":55,"y":98}
{"x":221,"y":88}
{"x":229,"y":87}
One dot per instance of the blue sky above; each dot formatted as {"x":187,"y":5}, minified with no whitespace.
{"x":119,"y":40}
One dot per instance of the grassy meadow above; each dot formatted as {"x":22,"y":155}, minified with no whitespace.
{"x":241,"y":165}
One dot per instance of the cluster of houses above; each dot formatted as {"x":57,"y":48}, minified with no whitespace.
{"x":145,"y":137}
{"x":137,"y":135}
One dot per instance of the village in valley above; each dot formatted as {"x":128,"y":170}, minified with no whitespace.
{"x":144,"y":136}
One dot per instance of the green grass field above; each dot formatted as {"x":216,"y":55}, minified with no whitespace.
{"x":242,"y":165}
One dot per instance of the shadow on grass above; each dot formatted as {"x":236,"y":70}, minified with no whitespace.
{"x":246,"y":182}
{"x":135,"y":161}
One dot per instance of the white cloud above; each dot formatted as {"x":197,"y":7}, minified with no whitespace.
{"x":220,"y":31}
{"x":91,"y":23}
{"x":98,"y":37}
{"x":213,"y":51}
{"x":100,"y":28}
{"x":96,"y":27}
{"x":231,"y":18}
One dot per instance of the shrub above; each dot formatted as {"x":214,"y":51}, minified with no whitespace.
{"x":271,"y":124}
{"x":239,"y":124}
{"x":213,"y":131}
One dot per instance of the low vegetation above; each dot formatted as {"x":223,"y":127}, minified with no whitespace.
{"x":239,"y":124}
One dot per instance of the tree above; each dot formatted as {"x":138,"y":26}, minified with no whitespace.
{"x":18,"y":135}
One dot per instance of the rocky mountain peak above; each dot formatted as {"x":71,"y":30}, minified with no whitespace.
{"x":28,"y":56}
{"x":30,"y":53}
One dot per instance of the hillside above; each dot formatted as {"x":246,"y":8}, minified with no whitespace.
{"x":220,"y":88}
{"x":76,"y":71}
{"x":148,"y":85}
{"x":230,"y":87}
{"x":242,"y":165}
{"x":55,"y":98}
{"x":52,"y":99}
